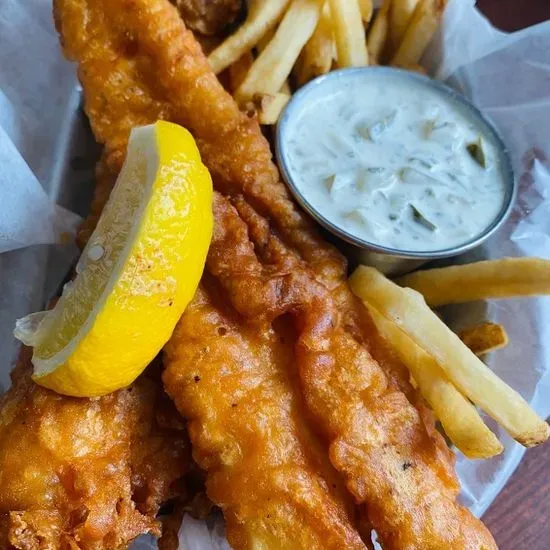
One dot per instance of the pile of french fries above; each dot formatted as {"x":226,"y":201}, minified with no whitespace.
{"x":283,"y":44}
{"x":444,"y":366}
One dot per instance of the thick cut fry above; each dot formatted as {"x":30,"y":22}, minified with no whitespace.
{"x":424,"y":23}
{"x":503,"y":278}
{"x":471,"y":376}
{"x":484,"y":338}
{"x":349,"y":33}
{"x":275,"y":63}
{"x":318,"y":54}
{"x":239,"y":70}
{"x":366,"y":9}
{"x":378,"y":33}
{"x":400,"y":17}
{"x":457,"y":415}
{"x":263,"y":15}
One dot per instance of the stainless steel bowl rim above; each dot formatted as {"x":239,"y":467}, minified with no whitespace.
{"x":505,"y":160}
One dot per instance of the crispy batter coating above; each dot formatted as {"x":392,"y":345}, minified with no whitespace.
{"x":390,"y":454}
{"x":267,"y":470}
{"x":85,"y":474}
{"x":269,"y":269}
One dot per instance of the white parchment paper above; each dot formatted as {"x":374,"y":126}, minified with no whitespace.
{"x":34,"y":82}
{"x":507,"y":75}
{"x":36,"y":93}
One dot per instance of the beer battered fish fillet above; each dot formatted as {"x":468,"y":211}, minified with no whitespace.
{"x":137,"y":63}
{"x":393,"y":459}
{"x":85,"y":474}
{"x":267,"y":470}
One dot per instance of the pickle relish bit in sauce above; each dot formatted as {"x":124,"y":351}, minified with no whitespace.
{"x":398,"y":165}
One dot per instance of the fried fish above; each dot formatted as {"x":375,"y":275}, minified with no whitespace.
{"x":86,"y":473}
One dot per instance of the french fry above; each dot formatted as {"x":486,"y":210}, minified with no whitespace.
{"x":262,"y":16}
{"x":378,"y":33}
{"x":269,"y":106}
{"x":285,"y":89}
{"x":484,"y":338}
{"x":423,"y":24}
{"x":319,"y":52}
{"x":265,"y":40}
{"x":239,"y":70}
{"x":457,"y":415}
{"x":503,"y":278}
{"x":407,"y":309}
{"x":262,"y":44}
{"x":269,"y":72}
{"x":400,"y":17}
{"x":366,"y":9}
{"x":349,"y":33}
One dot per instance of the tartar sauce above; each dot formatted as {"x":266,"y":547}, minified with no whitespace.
{"x":395,"y":162}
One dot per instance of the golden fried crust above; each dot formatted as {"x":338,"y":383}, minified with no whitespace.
{"x":388,"y":450}
{"x":84,"y":473}
{"x":138,"y":63}
{"x":266,"y":469}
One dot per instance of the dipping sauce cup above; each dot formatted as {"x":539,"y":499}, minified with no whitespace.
{"x":400,"y":168}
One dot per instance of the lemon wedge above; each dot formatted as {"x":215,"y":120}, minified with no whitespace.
{"x":136,"y":275}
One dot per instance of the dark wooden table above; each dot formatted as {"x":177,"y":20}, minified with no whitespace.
{"x":520,"y":516}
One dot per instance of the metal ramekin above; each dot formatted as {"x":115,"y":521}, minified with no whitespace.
{"x":390,"y":260}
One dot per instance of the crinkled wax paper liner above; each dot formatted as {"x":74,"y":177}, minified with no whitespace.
{"x":508,"y":76}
